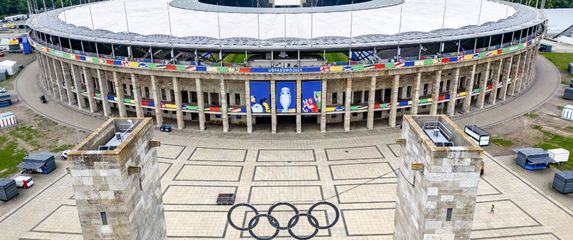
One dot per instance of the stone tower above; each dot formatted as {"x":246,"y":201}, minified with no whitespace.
{"x":437,"y":186}
{"x":116,"y":182}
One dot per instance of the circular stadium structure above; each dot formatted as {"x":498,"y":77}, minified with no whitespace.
{"x":261,"y":64}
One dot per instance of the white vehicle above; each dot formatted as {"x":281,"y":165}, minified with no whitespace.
{"x":64,"y":154}
{"x":24,"y":181}
{"x":2,"y":90}
{"x":559,"y":155}
{"x":477,"y":134}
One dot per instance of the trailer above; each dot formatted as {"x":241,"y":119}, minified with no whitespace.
{"x":42,"y":162}
{"x":480,"y":136}
{"x":8,"y":189}
{"x":7,"y":119}
{"x":559,"y":155}
{"x":563,"y":182}
{"x":533,"y":158}
{"x":567,"y":113}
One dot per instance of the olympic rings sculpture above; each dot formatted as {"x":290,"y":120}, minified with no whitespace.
{"x":293,"y":221}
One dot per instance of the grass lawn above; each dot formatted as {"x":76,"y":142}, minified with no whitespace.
{"x":501,"y":141}
{"x":336,"y":57}
{"x":10,"y":156}
{"x":561,"y":60}
{"x":532,"y":115}
{"x":235,"y":58}
{"x":552,"y":141}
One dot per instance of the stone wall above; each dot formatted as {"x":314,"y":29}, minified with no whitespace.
{"x":118,"y":192}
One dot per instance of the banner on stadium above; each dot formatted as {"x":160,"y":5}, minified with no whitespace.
{"x":260,"y":96}
{"x":311,"y":96}
{"x":286,"y":96}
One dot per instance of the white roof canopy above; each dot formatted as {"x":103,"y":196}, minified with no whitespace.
{"x":150,"y":17}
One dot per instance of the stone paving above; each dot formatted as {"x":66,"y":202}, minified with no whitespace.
{"x":354,"y":173}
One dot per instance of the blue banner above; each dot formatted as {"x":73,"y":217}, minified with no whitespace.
{"x":311,"y":96}
{"x":260,"y":96}
{"x":286,"y":96}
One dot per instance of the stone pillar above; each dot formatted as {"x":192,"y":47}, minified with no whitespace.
{"x":481,"y":98}
{"x":248,"y":106}
{"x":347,"y":103}
{"x":273,"y":107}
{"x":506,"y":79}
{"x":394,"y":101}
{"x":137,"y":96}
{"x":157,"y":101}
{"x":496,"y":77}
{"x":298,"y":106}
{"x":323,"y":106}
{"x":68,"y":84}
{"x":200,"y":104}
{"x":223,"y":97}
{"x":515,"y":78}
{"x":178,"y":104}
{"x":42,"y":65}
{"x":58,"y":80}
{"x":436,"y":94}
{"x":91,"y":92}
{"x":531,"y":75}
{"x":522,"y":82}
{"x":103,"y":94}
{"x":371,"y":97}
{"x":120,"y":96}
{"x":415,"y":98}
{"x":78,"y":84}
{"x":453,"y":93}
{"x":469,"y":90}
{"x":49,"y":74}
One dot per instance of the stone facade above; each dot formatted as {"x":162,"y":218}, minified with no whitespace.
{"x":438,"y":200}
{"x":118,"y":192}
{"x":395,"y":92}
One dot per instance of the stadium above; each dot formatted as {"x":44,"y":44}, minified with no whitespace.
{"x":284,"y":65}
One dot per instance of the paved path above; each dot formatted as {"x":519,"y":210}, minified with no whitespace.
{"x":27,"y":86}
{"x":545,"y":83}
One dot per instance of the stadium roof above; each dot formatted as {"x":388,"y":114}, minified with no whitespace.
{"x":374,"y":23}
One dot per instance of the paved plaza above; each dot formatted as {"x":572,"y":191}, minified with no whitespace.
{"x":355,"y":173}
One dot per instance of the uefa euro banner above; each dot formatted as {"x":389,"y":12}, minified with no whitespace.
{"x":311,"y":96}
{"x":260,"y":96}
{"x":286,"y":96}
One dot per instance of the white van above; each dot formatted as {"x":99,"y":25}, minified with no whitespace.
{"x":24,"y":181}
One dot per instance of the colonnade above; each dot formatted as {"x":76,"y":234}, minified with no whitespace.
{"x":90,"y":87}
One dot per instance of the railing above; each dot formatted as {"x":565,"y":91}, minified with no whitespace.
{"x":162,"y":65}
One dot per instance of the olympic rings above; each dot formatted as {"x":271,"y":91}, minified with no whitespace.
{"x":293,"y":221}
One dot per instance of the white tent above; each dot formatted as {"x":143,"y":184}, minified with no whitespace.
{"x":9,"y":66}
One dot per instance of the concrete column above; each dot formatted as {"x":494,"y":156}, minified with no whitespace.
{"x":120,"y":96}
{"x":298,"y":106}
{"x":496,"y":77}
{"x":347,"y":103}
{"x":515,"y":78}
{"x":483,"y":86}
{"x":200,"y":104}
{"x":522,"y":82}
{"x":91,"y":92}
{"x":371,"y":96}
{"x":273,"y":107}
{"x":436,"y":94}
{"x":44,"y":73}
{"x":248,"y":106}
{"x":323,"y":106}
{"x":178,"y":104}
{"x":531,"y":74}
{"x":453,"y":93}
{"x":103,"y":93}
{"x":394,"y":101}
{"x":77,"y":82}
{"x":58,"y":80}
{"x":506,"y":79}
{"x":68,"y":84}
{"x":157,"y":101}
{"x":469,"y":89}
{"x":49,"y":76}
{"x":415,"y":98}
{"x":223,"y":98}
{"x":137,"y":96}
